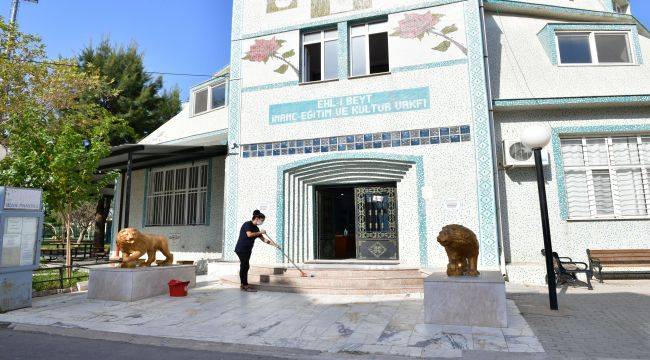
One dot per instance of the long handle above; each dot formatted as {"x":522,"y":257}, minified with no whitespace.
{"x":302,"y":273}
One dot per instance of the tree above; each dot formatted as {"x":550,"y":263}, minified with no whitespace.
{"x":136,"y":97}
{"x":55,"y":134}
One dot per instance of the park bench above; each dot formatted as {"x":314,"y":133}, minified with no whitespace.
{"x":624,"y":258}
{"x":566,"y":271}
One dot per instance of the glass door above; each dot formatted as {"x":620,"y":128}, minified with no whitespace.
{"x":376,"y":222}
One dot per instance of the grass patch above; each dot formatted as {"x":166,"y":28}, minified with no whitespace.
{"x":50,"y":279}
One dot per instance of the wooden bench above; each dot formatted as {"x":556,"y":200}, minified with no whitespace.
{"x":618,"y":258}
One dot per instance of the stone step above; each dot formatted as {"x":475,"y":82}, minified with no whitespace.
{"x":234,"y":280}
{"x":371,"y":282}
{"x":337,"y":272}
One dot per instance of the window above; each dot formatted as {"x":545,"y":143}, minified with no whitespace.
{"x":320,"y":55}
{"x":607,"y":177}
{"x":216,"y":93}
{"x":177,"y":196}
{"x":594,"y":47}
{"x":621,"y":6}
{"x":369,"y":49}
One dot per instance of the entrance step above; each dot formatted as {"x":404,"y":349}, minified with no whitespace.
{"x":343,"y":280}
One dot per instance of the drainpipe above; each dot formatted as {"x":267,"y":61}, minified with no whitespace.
{"x":493,"y":140}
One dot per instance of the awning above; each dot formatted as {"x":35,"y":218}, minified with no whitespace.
{"x":146,"y":156}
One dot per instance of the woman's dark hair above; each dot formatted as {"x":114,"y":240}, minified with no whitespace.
{"x":258,"y":215}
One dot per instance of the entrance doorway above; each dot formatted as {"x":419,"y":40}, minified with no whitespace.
{"x":356,"y":222}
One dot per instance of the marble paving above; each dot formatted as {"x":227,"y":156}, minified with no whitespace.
{"x":378,"y":324}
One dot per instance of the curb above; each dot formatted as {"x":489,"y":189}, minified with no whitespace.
{"x":197,"y":345}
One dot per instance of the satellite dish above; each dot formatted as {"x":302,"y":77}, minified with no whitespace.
{"x":3,"y":152}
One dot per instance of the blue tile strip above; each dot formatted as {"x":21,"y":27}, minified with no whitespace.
{"x":378,"y":140}
{"x":430,"y":65}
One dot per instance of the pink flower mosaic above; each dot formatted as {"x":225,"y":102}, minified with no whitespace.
{"x":417,"y":25}
{"x":263,"y":49}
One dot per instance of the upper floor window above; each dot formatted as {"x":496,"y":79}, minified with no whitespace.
{"x":621,"y":6}
{"x":601,"y":47}
{"x":369,"y":48}
{"x":209,"y":98}
{"x":607,"y":177}
{"x":320,"y":55}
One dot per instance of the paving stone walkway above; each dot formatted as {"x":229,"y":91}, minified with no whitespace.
{"x":338,"y":324}
{"x":610,"y":322}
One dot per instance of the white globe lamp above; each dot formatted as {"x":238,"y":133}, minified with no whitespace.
{"x":536,"y":136}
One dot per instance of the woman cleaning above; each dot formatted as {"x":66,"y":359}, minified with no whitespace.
{"x":247,"y":234}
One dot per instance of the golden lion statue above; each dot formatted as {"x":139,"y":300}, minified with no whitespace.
{"x":462,"y":250}
{"x":134,"y":244}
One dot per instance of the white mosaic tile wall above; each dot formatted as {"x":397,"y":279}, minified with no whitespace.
{"x":449,"y":182}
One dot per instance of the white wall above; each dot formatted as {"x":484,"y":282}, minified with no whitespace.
{"x":521,"y":216}
{"x":448,"y":168}
{"x":520,"y":66}
{"x":186,"y":242}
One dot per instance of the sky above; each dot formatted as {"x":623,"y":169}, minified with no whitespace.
{"x":177,"y":36}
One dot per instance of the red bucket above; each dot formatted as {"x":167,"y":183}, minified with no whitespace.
{"x":178,"y":288}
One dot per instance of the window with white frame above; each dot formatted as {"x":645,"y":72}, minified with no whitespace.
{"x":177,"y":195}
{"x":369,"y":48}
{"x":607,"y":177}
{"x":596,"y":47}
{"x":320,"y":55}
{"x":208,"y":98}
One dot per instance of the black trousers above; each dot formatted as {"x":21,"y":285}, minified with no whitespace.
{"x":244,"y":266}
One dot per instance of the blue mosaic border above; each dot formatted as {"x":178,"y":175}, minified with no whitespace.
{"x":417,"y":160}
{"x":232,"y":162}
{"x":583,"y":130}
{"x":432,"y":65}
{"x":343,"y":67}
{"x":549,"y":40}
{"x":505,"y":104}
{"x":488,"y":234}
{"x":377,"y":140}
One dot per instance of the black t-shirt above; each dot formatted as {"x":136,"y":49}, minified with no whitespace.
{"x":245,"y":244}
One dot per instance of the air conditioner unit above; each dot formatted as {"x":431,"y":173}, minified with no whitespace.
{"x":515,"y":154}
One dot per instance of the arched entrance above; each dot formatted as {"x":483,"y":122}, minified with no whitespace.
{"x":362,"y":192}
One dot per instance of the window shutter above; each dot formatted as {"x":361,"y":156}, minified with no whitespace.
{"x":577,"y":194}
{"x":630,"y":192}
{"x":603,"y":192}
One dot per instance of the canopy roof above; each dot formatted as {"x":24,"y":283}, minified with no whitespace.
{"x":146,"y":156}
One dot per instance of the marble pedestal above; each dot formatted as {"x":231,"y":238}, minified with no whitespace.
{"x":111,"y":283}
{"x":465,"y":300}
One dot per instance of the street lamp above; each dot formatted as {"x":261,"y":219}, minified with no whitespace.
{"x":537,"y":137}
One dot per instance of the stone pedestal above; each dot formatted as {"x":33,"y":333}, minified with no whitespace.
{"x":465,"y":300}
{"x":111,"y":283}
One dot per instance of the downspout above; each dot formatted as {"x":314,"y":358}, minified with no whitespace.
{"x":493,"y":140}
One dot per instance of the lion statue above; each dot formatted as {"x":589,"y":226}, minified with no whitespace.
{"x":461,"y":246}
{"x":134,"y":244}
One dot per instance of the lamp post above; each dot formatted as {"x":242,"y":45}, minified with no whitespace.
{"x":537,"y":137}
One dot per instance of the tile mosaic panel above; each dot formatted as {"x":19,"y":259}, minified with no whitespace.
{"x":378,"y":140}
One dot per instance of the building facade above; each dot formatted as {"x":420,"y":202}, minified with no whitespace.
{"x":362,"y":127}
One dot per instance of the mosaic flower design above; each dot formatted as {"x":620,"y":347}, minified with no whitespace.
{"x":417,"y":26}
{"x":264,"y":49}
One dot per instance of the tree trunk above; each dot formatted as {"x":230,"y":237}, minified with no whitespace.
{"x":101,"y":213}
{"x":68,"y":243}
{"x":82,"y":233}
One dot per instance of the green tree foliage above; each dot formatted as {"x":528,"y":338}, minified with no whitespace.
{"x":47,"y":114}
{"x":136,"y":97}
